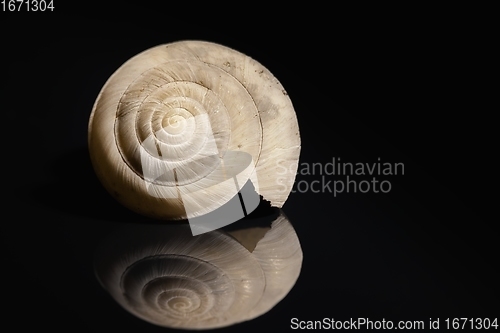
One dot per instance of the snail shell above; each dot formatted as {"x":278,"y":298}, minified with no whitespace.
{"x":166,"y":276}
{"x":179,"y":128}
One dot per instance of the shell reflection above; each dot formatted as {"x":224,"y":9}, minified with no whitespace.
{"x":166,"y":276}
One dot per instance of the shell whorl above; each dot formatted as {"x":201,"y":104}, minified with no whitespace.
{"x":166,"y":276}
{"x":177,"y":125}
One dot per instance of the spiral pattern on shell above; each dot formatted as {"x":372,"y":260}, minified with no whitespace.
{"x":177,"y":125}
{"x":164,"y":275}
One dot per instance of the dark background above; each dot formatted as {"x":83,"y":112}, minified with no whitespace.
{"x":404,"y":84}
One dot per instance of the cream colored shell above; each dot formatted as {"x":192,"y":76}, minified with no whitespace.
{"x":178,"y":125}
{"x":164,"y":275}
